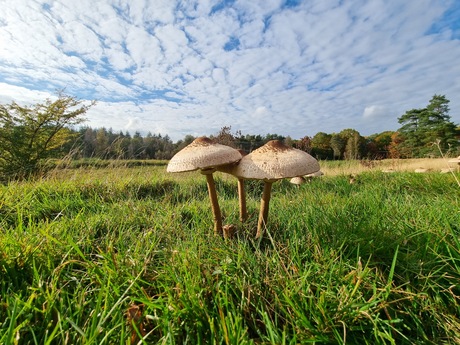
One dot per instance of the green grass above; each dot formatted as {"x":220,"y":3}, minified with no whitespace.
{"x":104,"y":256}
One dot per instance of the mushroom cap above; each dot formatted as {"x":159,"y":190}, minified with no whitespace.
{"x":315,"y":174}
{"x":275,"y":161}
{"x":298,"y":180}
{"x":202,"y":153}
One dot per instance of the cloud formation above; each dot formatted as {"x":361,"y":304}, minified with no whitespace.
{"x":287,"y":67}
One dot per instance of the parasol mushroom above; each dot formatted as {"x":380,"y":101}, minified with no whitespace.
{"x":298,"y":180}
{"x":318,"y":173}
{"x":241,"y":190}
{"x":205,"y":155}
{"x":272,"y":162}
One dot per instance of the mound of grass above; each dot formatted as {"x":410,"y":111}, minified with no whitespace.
{"x":116,"y":255}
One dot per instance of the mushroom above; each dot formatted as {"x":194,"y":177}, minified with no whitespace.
{"x":318,"y":173}
{"x":229,"y":231}
{"x":241,"y":190}
{"x":242,"y":200}
{"x":272,"y":162}
{"x":242,"y":195}
{"x":205,"y":155}
{"x":298,"y":180}
{"x":311,"y":176}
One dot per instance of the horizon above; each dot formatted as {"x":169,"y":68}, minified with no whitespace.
{"x":213,"y":135}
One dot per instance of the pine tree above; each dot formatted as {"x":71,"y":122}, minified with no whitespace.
{"x":422,"y":128}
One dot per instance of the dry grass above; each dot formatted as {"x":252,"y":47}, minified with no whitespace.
{"x":332,"y":168}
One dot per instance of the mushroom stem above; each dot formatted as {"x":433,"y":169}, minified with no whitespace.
{"x":214,"y":202}
{"x":242,"y":199}
{"x":264,"y":206}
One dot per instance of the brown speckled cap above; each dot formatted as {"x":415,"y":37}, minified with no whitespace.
{"x":202,"y":153}
{"x":274,"y":161}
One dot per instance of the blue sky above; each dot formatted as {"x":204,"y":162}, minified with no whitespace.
{"x":270,"y":66}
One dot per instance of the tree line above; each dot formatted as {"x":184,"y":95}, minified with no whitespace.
{"x":29,"y":135}
{"x":425,"y":132}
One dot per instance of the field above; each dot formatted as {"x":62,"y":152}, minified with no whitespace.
{"x":127,"y":254}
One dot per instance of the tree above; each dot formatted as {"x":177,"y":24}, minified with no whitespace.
{"x":188,"y":139}
{"x":422,"y":128}
{"x":411,"y":141}
{"x":289,"y":141}
{"x":249,"y":143}
{"x":352,"y":143}
{"x":102,"y":143}
{"x":30,"y":134}
{"x":378,"y":145}
{"x":273,"y":136}
{"x":136,"y":147}
{"x":354,"y":147}
{"x":88,"y":141}
{"x":304,"y":144}
{"x":321,"y":146}
{"x":395,"y":147}
{"x":226,"y":137}
{"x":338,"y":145}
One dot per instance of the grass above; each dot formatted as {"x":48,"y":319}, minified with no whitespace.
{"x":333,"y":168}
{"x":127,"y":255}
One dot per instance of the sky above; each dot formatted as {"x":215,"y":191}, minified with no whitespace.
{"x":287,"y":67}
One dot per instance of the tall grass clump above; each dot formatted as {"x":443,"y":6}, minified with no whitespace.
{"x":128,"y":255}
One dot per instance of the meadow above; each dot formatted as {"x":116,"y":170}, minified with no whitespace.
{"x":126,"y":254}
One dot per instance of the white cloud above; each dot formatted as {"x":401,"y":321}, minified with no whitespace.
{"x":10,"y":93}
{"x":375,"y":111}
{"x":261,"y":112}
{"x":133,"y":123}
{"x":318,"y":66}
